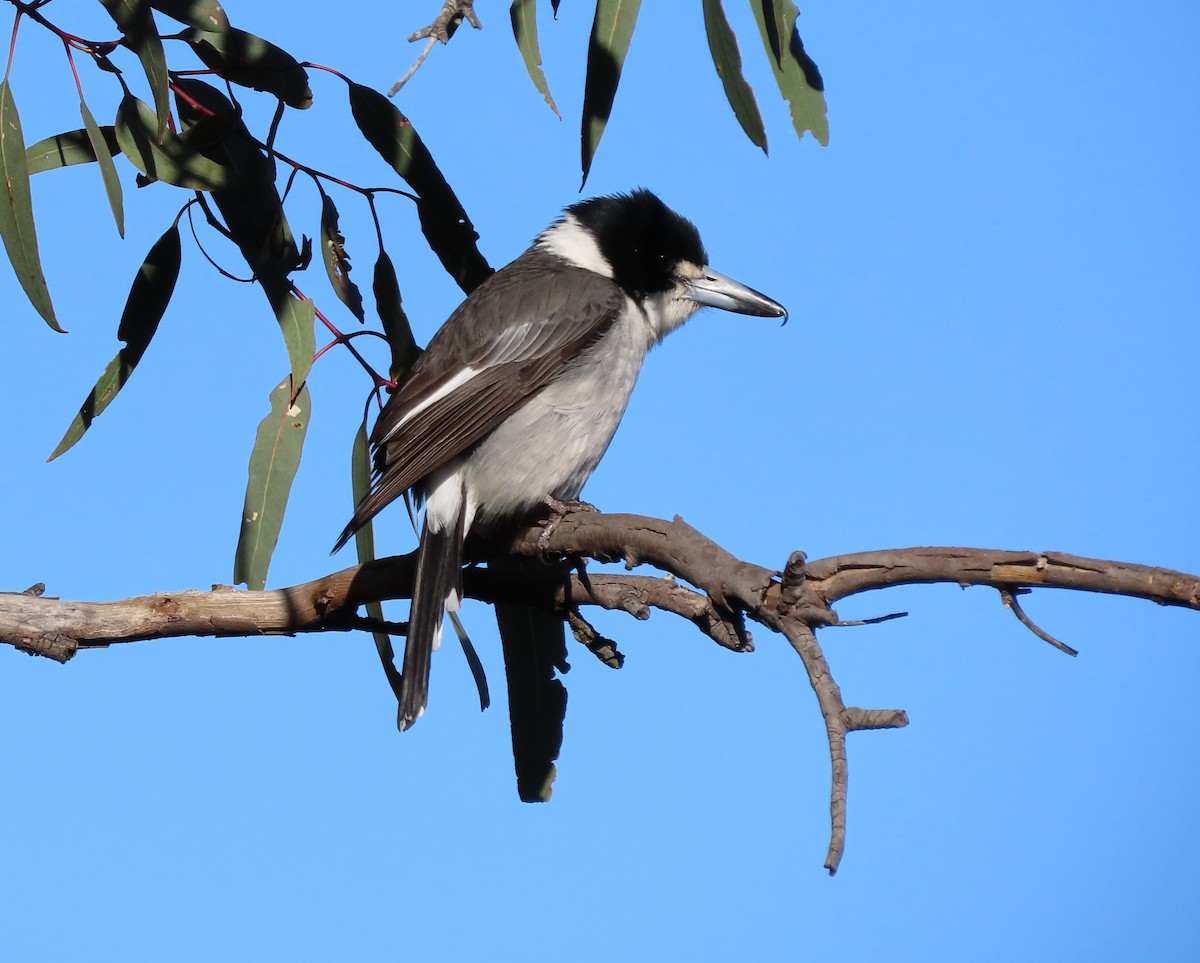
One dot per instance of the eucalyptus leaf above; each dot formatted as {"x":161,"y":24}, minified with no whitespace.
{"x":389,"y":307}
{"x":173,"y":160}
{"x":523,"y":14}
{"x":251,"y":205}
{"x":16,"y":211}
{"x":144,"y":308}
{"x":242,"y":58}
{"x":295,"y":317}
{"x":135,"y":20}
{"x":364,"y":543}
{"x":337,"y":261}
{"x":108,"y":170}
{"x":728,"y":62}
{"x":69,"y":148}
{"x":274,"y":462}
{"x":445,"y":224}
{"x":202,"y":14}
{"x":797,"y":76}
{"x":612,"y":31}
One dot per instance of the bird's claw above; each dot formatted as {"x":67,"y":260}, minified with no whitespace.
{"x":559,"y":509}
{"x":564,"y":506}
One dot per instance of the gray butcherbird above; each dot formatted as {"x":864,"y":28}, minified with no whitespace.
{"x":519,"y":393}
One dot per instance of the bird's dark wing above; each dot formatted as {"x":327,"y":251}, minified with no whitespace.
{"x":510,"y":339}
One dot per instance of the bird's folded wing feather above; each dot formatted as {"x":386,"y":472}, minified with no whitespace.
{"x":446,"y":407}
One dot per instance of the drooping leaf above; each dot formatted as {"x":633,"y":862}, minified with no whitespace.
{"x":295,"y":319}
{"x":445,"y":224}
{"x":453,"y":241}
{"x":135,"y":20}
{"x":247,"y":60}
{"x":728,"y":61}
{"x":16,"y":210}
{"x":69,"y":148}
{"x":337,"y":261}
{"x":796,"y":74}
{"x":273,"y":464}
{"x":174,"y":160}
{"x":253,"y":212}
{"x":364,"y":543}
{"x":144,"y":308}
{"x":250,"y":205}
{"x":612,"y":30}
{"x":202,"y":14}
{"x":523,"y":15}
{"x":108,"y":170}
{"x":554,"y":6}
{"x":389,"y":307}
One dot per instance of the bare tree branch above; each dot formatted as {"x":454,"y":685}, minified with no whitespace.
{"x":721,"y":592}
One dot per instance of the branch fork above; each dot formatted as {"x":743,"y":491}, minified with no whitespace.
{"x":709,"y":587}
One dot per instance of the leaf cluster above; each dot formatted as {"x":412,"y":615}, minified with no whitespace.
{"x":172,"y":128}
{"x":796,"y":75}
{"x":188,"y":134}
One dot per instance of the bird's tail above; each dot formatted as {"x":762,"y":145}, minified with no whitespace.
{"x":438,"y":587}
{"x":534,"y":646}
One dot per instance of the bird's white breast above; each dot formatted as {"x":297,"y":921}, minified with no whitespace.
{"x":552,"y":444}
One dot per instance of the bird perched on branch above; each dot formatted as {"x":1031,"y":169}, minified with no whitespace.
{"x":519,"y":393}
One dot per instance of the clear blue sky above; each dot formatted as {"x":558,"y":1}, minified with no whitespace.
{"x":992,"y":277}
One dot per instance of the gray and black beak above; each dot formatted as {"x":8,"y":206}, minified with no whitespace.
{"x":719,"y":291}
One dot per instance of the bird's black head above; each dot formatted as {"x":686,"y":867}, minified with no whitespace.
{"x":641,"y":238}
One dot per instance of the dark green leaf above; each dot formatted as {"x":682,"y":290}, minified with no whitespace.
{"x":364,"y":542}
{"x":242,"y":58}
{"x":108,"y":170}
{"x":390,"y":309}
{"x":447,"y":228}
{"x":796,"y":74}
{"x":612,"y":30}
{"x":202,"y":14}
{"x":273,"y":465}
{"x":68,"y":148}
{"x":554,"y":6}
{"x":147,"y":302}
{"x":524,"y":23}
{"x":136,"y":21}
{"x":16,"y":210}
{"x":253,"y":212}
{"x":728,"y":61}
{"x":337,"y":261}
{"x":251,"y":205}
{"x":174,"y":160}
{"x":295,"y":319}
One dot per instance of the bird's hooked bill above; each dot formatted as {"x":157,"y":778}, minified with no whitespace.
{"x":720,"y":291}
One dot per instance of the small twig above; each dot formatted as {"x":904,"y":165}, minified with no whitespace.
{"x":395,"y":88}
{"x":874,"y":621}
{"x":442,"y":28}
{"x":1009,"y":597}
{"x":585,"y":633}
{"x":368,"y":624}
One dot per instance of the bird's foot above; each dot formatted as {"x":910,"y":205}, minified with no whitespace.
{"x":559,"y":509}
{"x":564,"y":506}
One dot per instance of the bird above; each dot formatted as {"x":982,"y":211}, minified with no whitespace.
{"x":519,"y":393}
